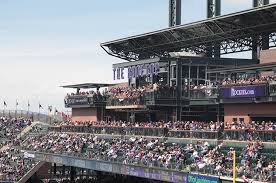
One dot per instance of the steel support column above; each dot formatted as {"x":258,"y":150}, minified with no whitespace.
{"x":213,"y":10}
{"x":257,"y":3}
{"x":178,"y":89}
{"x":174,"y":13}
{"x":256,"y":47}
{"x":265,"y":41}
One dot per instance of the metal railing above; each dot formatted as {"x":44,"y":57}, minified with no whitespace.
{"x":197,"y":134}
{"x":249,"y":134}
{"x":84,"y":100}
{"x":226,"y":134}
{"x":125,"y":101}
{"x":208,"y":92}
{"x":112,"y":130}
{"x":139,"y":131}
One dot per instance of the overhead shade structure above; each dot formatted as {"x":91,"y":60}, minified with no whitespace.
{"x":234,"y":32}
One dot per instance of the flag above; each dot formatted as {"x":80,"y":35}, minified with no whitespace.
{"x":5,"y":104}
{"x":40,"y":106}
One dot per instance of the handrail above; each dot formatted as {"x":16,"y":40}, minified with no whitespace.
{"x":234,"y":134}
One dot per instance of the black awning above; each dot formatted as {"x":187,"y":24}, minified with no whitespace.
{"x":88,"y":85}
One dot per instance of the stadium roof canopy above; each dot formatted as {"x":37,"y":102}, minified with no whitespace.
{"x":87,"y":85}
{"x":234,"y":32}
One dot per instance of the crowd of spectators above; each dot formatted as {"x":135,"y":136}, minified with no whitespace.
{"x":251,"y":162}
{"x":11,"y":127}
{"x":207,"y":87}
{"x":13,"y":164}
{"x":254,"y":130}
{"x":129,"y":92}
{"x":96,"y":95}
{"x":133,"y":150}
{"x":253,"y":125}
{"x":176,"y":125}
{"x":121,"y":95}
{"x":157,"y":153}
{"x":255,"y":80}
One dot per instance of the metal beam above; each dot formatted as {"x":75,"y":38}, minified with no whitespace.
{"x":174,"y":12}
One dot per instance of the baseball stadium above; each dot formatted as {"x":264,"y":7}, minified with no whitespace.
{"x":181,"y":109}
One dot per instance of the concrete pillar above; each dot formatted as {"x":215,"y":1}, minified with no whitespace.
{"x":72,"y":174}
{"x":63,"y":170}
{"x":55,"y":169}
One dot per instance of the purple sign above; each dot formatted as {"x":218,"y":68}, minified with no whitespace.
{"x":156,"y":174}
{"x":243,"y":91}
{"x":136,"y":71}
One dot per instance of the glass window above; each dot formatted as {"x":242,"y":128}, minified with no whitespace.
{"x":201,"y":72}
{"x":272,"y":89}
{"x":173,"y":71}
{"x":194,"y":72}
{"x":185,"y":71}
{"x":241,"y":120}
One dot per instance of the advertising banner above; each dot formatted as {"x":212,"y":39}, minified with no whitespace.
{"x":177,"y":177}
{"x":243,"y":91}
{"x":77,"y":100}
{"x":194,"y":178}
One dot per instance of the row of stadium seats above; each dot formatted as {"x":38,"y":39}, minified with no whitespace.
{"x":200,"y":157}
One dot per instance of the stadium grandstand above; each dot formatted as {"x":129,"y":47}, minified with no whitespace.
{"x":185,"y":114}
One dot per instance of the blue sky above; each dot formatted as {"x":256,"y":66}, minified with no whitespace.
{"x":48,"y":43}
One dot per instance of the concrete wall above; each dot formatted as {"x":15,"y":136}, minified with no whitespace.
{"x":84,"y":114}
{"x":268,"y":56}
{"x":243,"y":110}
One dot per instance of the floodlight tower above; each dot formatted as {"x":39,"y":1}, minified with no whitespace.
{"x":264,"y":37}
{"x":174,"y":13}
{"x":213,"y":10}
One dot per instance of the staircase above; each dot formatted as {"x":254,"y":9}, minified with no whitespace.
{"x":30,"y":173}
